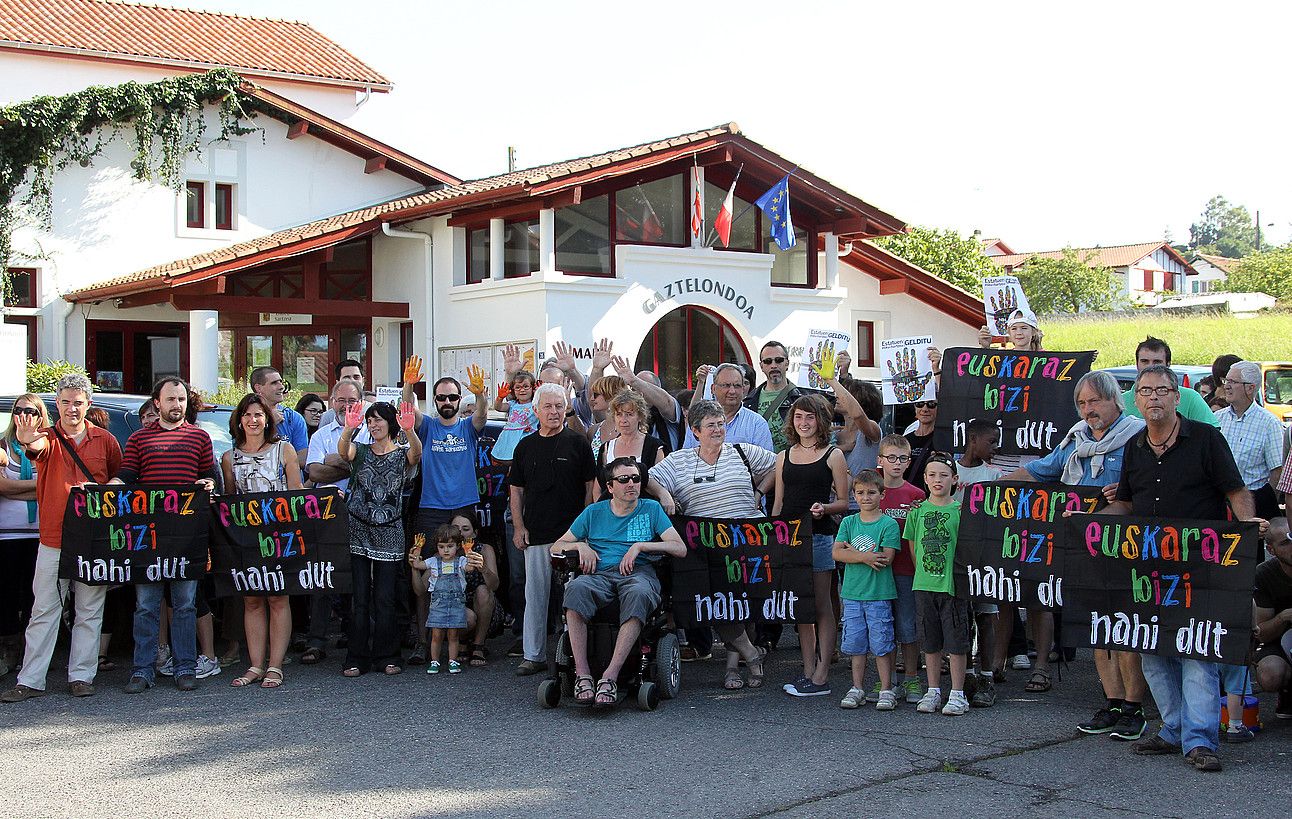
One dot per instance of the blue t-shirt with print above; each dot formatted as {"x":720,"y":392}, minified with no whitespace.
{"x":611,"y":536}
{"x":448,"y":463}
{"x":293,"y":428}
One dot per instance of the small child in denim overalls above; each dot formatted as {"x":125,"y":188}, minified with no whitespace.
{"x":447,"y":583}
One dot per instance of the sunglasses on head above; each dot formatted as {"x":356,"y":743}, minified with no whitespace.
{"x":774,"y":360}
{"x":448,"y":398}
{"x":627,"y":479}
{"x":26,"y":411}
{"x":924,"y":404}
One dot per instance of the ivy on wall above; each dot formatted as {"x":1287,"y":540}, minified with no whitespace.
{"x":164,"y":122}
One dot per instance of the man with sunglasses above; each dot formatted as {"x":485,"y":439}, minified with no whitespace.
{"x":618,"y":541}
{"x":772,"y":399}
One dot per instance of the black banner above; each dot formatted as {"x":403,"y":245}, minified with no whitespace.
{"x":1028,"y":394}
{"x":115,"y":534}
{"x":1176,"y":588}
{"x":295,"y":542}
{"x":743,"y":569}
{"x":492,"y":481}
{"x":1010,"y":547}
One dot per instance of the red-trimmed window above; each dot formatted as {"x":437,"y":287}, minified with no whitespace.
{"x":30,"y":323}
{"x":24,"y":291}
{"x":865,"y":344}
{"x":744,"y":230}
{"x":348,"y":277}
{"x":195,"y":204}
{"x":223,"y":207}
{"x":583,"y":244}
{"x":520,"y":249}
{"x":653,"y":213}
{"x":477,"y":254}
{"x":795,"y":267}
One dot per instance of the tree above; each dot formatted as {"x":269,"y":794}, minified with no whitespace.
{"x":1224,"y":230}
{"x":1269,"y":271}
{"x":944,"y":253}
{"x":1067,"y":285}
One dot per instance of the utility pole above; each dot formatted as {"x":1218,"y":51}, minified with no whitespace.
{"x":1258,"y":231}
{"x":511,"y":167}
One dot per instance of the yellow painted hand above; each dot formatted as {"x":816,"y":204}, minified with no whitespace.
{"x":475,"y":378}
{"x":413,"y":369}
{"x":828,"y":360}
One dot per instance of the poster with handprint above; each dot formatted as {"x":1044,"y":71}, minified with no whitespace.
{"x":906,"y":370}
{"x":819,"y":355}
{"x":1002,"y":295}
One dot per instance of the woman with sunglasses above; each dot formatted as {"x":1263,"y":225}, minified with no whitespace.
{"x":19,"y":531}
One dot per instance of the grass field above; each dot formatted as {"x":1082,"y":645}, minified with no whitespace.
{"x":1193,"y":339}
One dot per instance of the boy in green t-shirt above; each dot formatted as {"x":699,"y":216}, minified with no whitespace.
{"x":866,"y":545}
{"x":932,"y":528}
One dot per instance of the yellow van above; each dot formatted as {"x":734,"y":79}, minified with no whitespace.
{"x":1276,"y":388}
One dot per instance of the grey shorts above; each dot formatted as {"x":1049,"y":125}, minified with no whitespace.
{"x":943,"y":622}
{"x":638,"y":593}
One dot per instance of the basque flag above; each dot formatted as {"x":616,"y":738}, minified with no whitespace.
{"x":775,"y":204}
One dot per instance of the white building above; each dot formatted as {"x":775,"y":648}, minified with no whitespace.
{"x":1147,"y":272}
{"x":1212,"y":271}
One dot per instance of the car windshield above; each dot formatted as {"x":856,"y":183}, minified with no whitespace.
{"x":216,"y":424}
{"x":1278,"y":387}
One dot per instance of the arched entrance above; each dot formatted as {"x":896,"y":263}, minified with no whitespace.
{"x":686,"y":338}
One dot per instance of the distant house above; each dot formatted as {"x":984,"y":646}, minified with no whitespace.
{"x":996,"y":247}
{"x":1147,"y":272}
{"x":1211,"y":270}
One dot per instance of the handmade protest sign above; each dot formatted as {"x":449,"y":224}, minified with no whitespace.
{"x":292,"y":542}
{"x":134,"y":534}
{"x":1027,"y":393}
{"x":820,"y":351}
{"x":1165,"y":586}
{"x":391,"y":395}
{"x":492,"y":481}
{"x":1011,"y":547}
{"x":1001,"y":296}
{"x":907,"y":372}
{"x":741,"y":569}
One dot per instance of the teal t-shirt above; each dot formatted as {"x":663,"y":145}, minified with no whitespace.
{"x":932,"y":531}
{"x":862,"y":582}
{"x":612,"y":536}
{"x":1192,"y":406}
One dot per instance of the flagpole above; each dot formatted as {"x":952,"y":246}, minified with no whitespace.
{"x":750,"y":206}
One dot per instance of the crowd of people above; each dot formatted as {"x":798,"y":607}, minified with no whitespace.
{"x":595,"y":465}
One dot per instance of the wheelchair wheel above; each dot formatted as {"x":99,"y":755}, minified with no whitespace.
{"x":668,"y":666}
{"x":564,"y":655}
{"x":648,"y":696}
{"x":549,"y":694}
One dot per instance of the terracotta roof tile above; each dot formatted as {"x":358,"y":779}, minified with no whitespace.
{"x":1223,"y":262}
{"x":1113,"y":256}
{"x":143,"y":32}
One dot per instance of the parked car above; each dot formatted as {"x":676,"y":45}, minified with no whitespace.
{"x":123,"y":417}
{"x":1276,"y":389}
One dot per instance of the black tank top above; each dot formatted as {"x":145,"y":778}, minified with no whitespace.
{"x":806,"y":484}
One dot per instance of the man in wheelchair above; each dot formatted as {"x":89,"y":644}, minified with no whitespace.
{"x":618,"y":542}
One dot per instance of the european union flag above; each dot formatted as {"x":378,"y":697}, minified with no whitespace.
{"x":775,"y":204}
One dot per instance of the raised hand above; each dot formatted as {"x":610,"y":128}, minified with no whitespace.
{"x":622,"y":367}
{"x":563,"y":356}
{"x":511,"y":360}
{"x":354,"y":415}
{"x":935,"y":358}
{"x":842,"y":364}
{"x":601,"y":354}
{"x":827,"y":367}
{"x":504,"y":390}
{"x":26,"y":428}
{"x":407,"y":416}
{"x":413,"y":369}
{"x":475,"y":380}
{"x":984,"y":336}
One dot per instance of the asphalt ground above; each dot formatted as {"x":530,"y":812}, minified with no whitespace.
{"x":477,"y":744}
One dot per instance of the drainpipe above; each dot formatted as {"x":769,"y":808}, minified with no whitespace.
{"x":430,"y":287}
{"x":62,"y":312}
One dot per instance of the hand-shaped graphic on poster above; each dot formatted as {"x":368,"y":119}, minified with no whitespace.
{"x":1002,"y":295}
{"x":907,"y":372}
{"x":819,"y":356}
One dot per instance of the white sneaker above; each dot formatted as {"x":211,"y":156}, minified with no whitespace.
{"x":165,"y":662}
{"x":206,"y":667}
{"x":853,"y":699}
{"x":929,"y":702}
{"x":887,"y":701}
{"x":1021,"y":662}
{"x":957,"y":705}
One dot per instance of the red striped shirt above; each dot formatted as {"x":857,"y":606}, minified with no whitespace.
{"x":155,"y":454}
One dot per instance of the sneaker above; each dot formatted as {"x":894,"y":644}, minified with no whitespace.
{"x":985,"y":694}
{"x":434,"y":667}
{"x":206,"y":667}
{"x":1154,"y":746}
{"x":1129,"y":727}
{"x":853,"y":698}
{"x":1104,"y":720}
{"x":929,"y":703}
{"x":455,"y":667}
{"x":887,"y":700}
{"x":1283,"y":710}
{"x":1021,"y":662}
{"x":873,"y":694}
{"x":186,"y":682}
{"x":957,"y":705}
{"x":807,"y":689}
{"x":165,"y":662}
{"x":1240,"y":734}
{"x":801,"y":681}
{"x":911,"y":689}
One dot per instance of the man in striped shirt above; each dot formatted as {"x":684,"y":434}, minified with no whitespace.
{"x":171,"y":451}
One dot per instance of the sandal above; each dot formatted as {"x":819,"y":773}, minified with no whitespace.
{"x":352,"y":671}
{"x":252,"y":676}
{"x":480,"y":656}
{"x":733,"y":681}
{"x":312,"y":656}
{"x":583,"y":689}
{"x":607,"y":692}
{"x":756,"y":677}
{"x":105,"y":664}
{"x":418,"y":657}
{"x":392,"y":670}
{"x":1038,"y":683}
{"x":270,"y":682}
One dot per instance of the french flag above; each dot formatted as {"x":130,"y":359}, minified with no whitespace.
{"x":722,"y":223}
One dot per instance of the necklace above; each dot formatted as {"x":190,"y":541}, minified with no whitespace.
{"x":1165,"y":441}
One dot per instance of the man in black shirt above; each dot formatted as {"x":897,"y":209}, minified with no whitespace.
{"x":1179,"y":468}
{"x":553,"y":477}
{"x":1273,"y":603}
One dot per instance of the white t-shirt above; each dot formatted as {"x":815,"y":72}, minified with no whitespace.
{"x":324,"y":443}
{"x":975,"y":474}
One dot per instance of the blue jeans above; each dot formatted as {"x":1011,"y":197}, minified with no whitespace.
{"x":1186,"y":692}
{"x":183,"y":627}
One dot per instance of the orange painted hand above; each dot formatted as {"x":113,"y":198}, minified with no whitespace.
{"x":354,"y":415}
{"x":413,"y":369}
{"x":475,"y":379}
{"x":504,"y":390}
{"x":407,"y":417}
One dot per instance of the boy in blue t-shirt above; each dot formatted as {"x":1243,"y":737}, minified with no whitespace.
{"x":866,"y":544}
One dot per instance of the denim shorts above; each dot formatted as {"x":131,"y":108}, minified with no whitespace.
{"x":867,"y":627}
{"x":822,"y":553}
{"x":904,"y":619}
{"x":1236,"y":679}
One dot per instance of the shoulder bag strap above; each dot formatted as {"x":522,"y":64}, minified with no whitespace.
{"x":71,"y":450}
{"x":745,"y":459}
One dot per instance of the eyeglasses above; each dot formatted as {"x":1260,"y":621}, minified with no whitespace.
{"x":26,"y":411}
{"x":712,"y":427}
{"x":1149,"y":392}
{"x":926,"y":404}
{"x":774,"y":360}
{"x":896,"y":459}
{"x":737,"y":386}
{"x":627,"y":479}
{"x":1225,"y":382}
{"x":446,"y":399}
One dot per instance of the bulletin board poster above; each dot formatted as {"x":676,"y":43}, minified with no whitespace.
{"x":454,"y":361}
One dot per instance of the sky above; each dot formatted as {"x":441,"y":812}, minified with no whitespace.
{"x":1046,"y":124}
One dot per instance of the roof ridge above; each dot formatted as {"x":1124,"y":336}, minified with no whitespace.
{"x":1094,"y":247}
{"x":230,"y":14}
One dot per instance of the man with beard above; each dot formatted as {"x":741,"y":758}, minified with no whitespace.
{"x":772,"y":399}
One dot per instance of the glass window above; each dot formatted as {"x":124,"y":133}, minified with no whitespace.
{"x":109,"y":360}
{"x":352,"y":256}
{"x":354,"y":344}
{"x":652,"y":212}
{"x":224,"y":207}
{"x":260,"y":353}
{"x":521,"y":249}
{"x":744,"y":230}
{"x":22,"y":286}
{"x":195,"y":198}
{"x":346,"y":285}
{"x":305,"y":362}
{"x":224,"y":357}
{"x":865,"y":344}
{"x":790,"y":267}
{"x":583,"y":237}
{"x":477,"y":255}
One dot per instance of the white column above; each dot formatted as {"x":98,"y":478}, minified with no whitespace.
{"x":546,"y":241}
{"x":831,"y":260}
{"x":203,"y":349}
{"x":496,"y":255}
